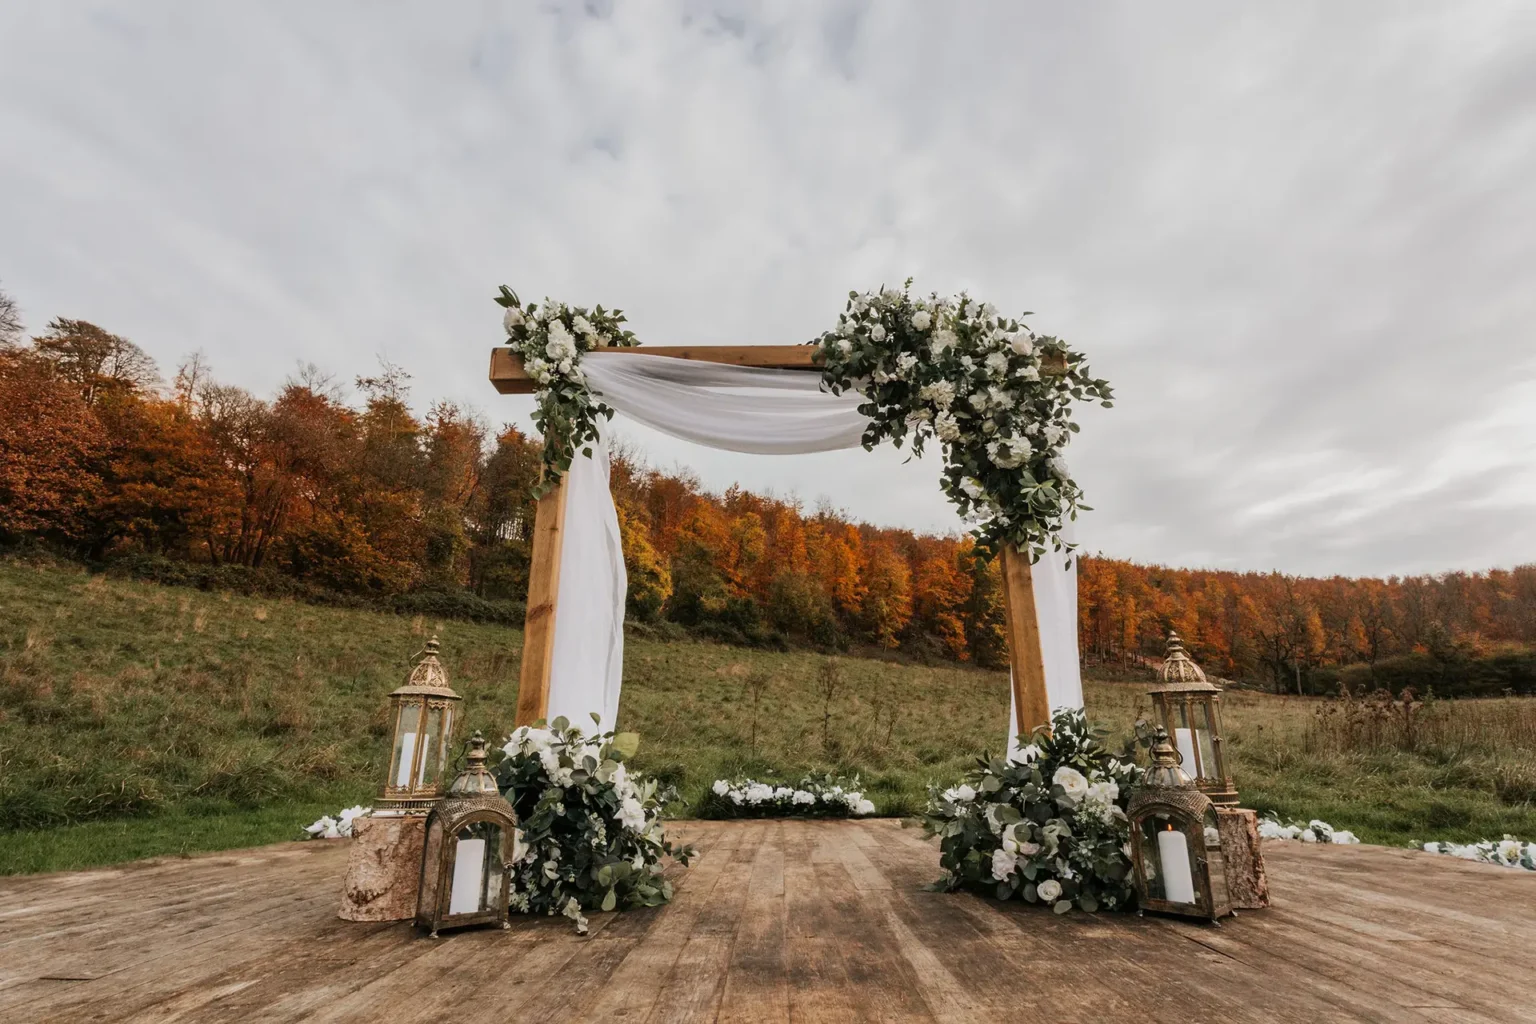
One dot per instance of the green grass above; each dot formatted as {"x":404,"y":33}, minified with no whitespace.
{"x":138,"y":720}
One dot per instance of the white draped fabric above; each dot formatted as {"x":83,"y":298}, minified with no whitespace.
{"x":744,"y":409}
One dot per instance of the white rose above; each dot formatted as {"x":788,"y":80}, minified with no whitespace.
{"x":512,"y":320}
{"x":1058,"y":467}
{"x":843,"y":346}
{"x":972,"y":487}
{"x":1028,"y":849}
{"x":1003,"y":864}
{"x":922,"y":320}
{"x":583,"y":325}
{"x":877,"y":333}
{"x":941,"y":393}
{"x":1049,"y":890}
{"x":721,"y":787}
{"x":1308,"y":836}
{"x":632,"y":814}
{"x":864,"y":807}
{"x":946,"y":427}
{"x":965,"y":793}
{"x":1021,"y":344}
{"x":1026,"y":754}
{"x":906,"y":361}
{"x":943,"y":340}
{"x":1508,"y":849}
{"x":1072,"y":782}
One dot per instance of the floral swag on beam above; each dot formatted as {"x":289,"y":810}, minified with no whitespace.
{"x":951,"y":369}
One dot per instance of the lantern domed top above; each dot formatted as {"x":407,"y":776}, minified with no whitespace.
{"x":1179,"y":672}
{"x":428,"y":678}
{"x":476,"y":778}
{"x":1165,"y":772}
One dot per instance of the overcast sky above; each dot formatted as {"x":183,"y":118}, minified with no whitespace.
{"x":1300,"y":239}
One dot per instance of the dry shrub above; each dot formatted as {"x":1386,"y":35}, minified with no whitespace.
{"x":1379,"y":721}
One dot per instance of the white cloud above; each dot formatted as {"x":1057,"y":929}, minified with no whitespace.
{"x":1297,"y":238}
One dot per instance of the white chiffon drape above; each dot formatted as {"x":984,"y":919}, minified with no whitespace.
{"x":743,"y":409}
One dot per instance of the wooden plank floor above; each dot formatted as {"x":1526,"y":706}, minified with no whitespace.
{"x":777,"y":921}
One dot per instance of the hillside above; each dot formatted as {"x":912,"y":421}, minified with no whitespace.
{"x":138,"y":719}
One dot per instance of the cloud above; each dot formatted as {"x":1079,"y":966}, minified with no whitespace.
{"x":1296,"y":238}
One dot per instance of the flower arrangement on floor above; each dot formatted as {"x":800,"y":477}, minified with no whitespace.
{"x":1046,"y":825}
{"x":954,"y":369}
{"x":551,"y":338}
{"x":339,"y":827}
{"x":590,"y":833}
{"x":1508,"y":852}
{"x":957,"y":370}
{"x":815,"y":796}
{"x":1314,"y":831}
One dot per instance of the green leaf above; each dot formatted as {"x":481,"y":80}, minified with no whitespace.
{"x":610,"y":900}
{"x":1062,"y":906}
{"x":626,"y":743}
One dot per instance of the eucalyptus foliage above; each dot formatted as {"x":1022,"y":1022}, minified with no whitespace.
{"x":591,"y":836}
{"x":551,"y":338}
{"x":955,"y":369}
{"x":1045,"y":825}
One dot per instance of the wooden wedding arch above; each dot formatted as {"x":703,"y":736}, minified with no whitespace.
{"x":1032,"y":705}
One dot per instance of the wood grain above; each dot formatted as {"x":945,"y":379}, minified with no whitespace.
{"x":543,"y":597}
{"x":1032,"y":705}
{"x":777,"y":921}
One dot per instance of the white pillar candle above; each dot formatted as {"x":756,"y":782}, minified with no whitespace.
{"x":407,"y":753}
{"x":469,"y":872}
{"x":1186,"y":741}
{"x":1173,"y":857}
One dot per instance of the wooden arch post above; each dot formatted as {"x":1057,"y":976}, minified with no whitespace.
{"x":1025,"y":658}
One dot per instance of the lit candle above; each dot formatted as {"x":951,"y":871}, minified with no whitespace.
{"x":1186,"y":741}
{"x":468,"y":872}
{"x":1173,"y":856}
{"x":407,"y":753}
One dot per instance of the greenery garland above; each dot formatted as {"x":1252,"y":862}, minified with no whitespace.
{"x":954,"y":369}
{"x":945,"y":368}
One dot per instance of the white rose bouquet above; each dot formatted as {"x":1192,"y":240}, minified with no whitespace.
{"x":589,"y":832}
{"x":1046,"y":825}
{"x":955,"y":369}
{"x":551,"y":338}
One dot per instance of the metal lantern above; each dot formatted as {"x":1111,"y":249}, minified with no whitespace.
{"x":1189,"y":708}
{"x":425,"y":711}
{"x":1175,"y":845}
{"x":466,"y":864}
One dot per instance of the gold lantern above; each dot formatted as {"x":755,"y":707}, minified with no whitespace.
{"x":1189,"y":709}
{"x":1175,"y":845}
{"x":466,"y":864}
{"x":425,"y":711}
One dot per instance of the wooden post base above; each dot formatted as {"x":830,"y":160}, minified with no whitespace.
{"x":1247,"y":884}
{"x":383,"y":869}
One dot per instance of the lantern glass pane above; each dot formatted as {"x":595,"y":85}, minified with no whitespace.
{"x":407,"y":733}
{"x":432,"y":748}
{"x":1214,"y":861}
{"x":1203,"y":733}
{"x":1167,"y":860}
{"x":445,"y":734}
{"x":477,"y":869}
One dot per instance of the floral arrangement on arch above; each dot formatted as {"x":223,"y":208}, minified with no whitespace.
{"x":954,"y":369}
{"x":959,"y":371}
{"x":590,"y":835}
{"x":815,"y":796}
{"x":1045,"y":825}
{"x":550,"y":338}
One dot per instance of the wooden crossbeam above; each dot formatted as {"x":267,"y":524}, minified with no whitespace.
{"x":508,"y":377}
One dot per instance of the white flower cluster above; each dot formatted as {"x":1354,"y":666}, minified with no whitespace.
{"x":1314,"y":831}
{"x":1508,"y":852}
{"x":339,"y":827}
{"x":956,"y":370}
{"x":809,"y":797}
{"x":561,"y":761}
{"x":550,"y":337}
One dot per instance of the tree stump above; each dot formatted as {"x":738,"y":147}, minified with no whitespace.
{"x":383,"y":869}
{"x":1247,"y":884}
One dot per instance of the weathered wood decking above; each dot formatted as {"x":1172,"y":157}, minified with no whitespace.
{"x":777,"y":921}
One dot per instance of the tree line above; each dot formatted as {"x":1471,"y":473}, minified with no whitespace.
{"x":349,"y":491}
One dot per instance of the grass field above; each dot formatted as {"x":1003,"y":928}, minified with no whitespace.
{"x":138,"y":720}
